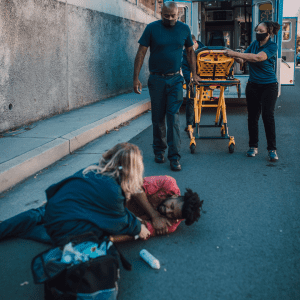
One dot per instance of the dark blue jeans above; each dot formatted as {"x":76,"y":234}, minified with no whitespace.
{"x":261,"y":99}
{"x":26,"y":225}
{"x":166,"y":95}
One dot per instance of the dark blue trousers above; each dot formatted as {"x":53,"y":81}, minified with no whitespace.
{"x":166,"y":98}
{"x":26,"y":225}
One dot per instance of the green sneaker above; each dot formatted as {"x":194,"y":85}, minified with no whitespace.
{"x":273,"y":155}
{"x":252,"y":152}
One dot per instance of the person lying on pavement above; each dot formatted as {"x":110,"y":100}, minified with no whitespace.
{"x":91,"y":200}
{"x":166,"y":210}
{"x":163,"y":195}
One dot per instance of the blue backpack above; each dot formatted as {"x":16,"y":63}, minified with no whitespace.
{"x":84,"y":269}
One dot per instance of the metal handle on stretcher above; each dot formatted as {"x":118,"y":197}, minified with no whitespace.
{"x":213,"y":51}
{"x":191,"y":86}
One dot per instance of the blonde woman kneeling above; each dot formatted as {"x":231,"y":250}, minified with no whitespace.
{"x":91,"y":200}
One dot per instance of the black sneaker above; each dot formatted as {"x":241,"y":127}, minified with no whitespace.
{"x":252,"y":152}
{"x":272,"y":155}
{"x":175,"y":165}
{"x":159,"y":158}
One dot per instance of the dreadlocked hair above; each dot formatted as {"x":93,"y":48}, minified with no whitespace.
{"x":272,"y":27}
{"x":191,"y":207}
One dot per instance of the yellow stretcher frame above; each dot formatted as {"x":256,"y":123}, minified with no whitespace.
{"x":214,"y":69}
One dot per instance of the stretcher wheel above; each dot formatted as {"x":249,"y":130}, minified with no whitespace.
{"x":231,"y":148}
{"x":222,"y":131}
{"x":193,"y":148}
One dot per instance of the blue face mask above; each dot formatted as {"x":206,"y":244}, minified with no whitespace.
{"x":261,"y":36}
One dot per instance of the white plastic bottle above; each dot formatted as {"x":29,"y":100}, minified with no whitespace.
{"x":150,"y":259}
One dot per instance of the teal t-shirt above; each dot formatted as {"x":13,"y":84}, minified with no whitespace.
{"x":166,"y":45}
{"x":263,"y":72}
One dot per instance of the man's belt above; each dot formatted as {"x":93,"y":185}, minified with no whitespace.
{"x":164,"y":75}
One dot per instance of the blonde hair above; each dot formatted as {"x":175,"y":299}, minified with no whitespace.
{"x":123,"y":161}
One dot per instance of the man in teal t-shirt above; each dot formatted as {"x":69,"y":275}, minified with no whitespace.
{"x":166,"y":39}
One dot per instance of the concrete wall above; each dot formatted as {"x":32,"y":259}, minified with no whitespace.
{"x":56,"y":56}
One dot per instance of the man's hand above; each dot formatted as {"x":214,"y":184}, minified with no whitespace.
{"x":137,"y":86}
{"x":196,"y":79}
{"x":160,"y":225}
{"x":159,"y":222}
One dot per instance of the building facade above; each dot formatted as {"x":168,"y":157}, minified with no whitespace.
{"x":56,"y":56}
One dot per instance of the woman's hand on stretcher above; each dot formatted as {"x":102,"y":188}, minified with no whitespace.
{"x":230,"y":53}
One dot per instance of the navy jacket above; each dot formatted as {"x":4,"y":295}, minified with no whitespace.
{"x":186,"y":71}
{"x":94,"y":202}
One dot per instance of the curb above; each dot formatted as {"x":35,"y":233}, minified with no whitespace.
{"x":27,"y":164}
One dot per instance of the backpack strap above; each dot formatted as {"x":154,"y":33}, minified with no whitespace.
{"x":126,"y":264}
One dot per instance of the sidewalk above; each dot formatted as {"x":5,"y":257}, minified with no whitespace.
{"x":25,"y":151}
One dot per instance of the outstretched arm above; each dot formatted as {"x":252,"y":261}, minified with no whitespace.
{"x":127,"y":238}
{"x":138,"y":62}
{"x":261,"y":56}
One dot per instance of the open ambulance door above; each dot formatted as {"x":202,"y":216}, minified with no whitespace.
{"x":289,"y":41}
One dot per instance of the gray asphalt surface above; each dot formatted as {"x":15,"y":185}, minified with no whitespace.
{"x":246,"y":243}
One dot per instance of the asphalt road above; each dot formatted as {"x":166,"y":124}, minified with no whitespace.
{"x":246,"y":243}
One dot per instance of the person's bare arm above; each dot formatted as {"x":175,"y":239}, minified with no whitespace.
{"x":138,"y":62}
{"x":159,"y":222}
{"x":149,"y":225}
{"x":191,"y":58}
{"x":261,"y":56}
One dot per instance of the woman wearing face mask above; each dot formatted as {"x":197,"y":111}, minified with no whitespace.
{"x":262,"y":87}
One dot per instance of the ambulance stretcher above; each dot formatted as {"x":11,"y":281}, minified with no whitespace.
{"x":214,"y":68}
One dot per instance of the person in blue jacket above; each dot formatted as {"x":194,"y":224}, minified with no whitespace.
{"x":91,"y":200}
{"x":186,"y":71}
{"x":262,"y":87}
